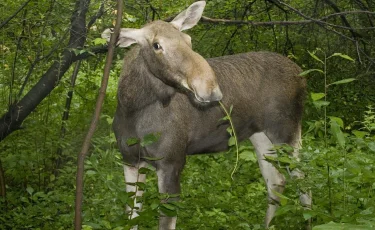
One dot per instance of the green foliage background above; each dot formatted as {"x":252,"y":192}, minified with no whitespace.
{"x":338,"y":152}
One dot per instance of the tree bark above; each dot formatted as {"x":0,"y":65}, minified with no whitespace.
{"x":12,"y":120}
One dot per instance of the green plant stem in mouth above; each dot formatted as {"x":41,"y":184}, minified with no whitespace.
{"x":233,"y":134}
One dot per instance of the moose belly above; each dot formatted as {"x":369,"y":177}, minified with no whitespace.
{"x":217,"y":139}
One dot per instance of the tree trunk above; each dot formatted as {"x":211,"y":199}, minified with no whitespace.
{"x":17,"y":113}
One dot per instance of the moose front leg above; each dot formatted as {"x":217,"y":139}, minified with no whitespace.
{"x":131,"y":177}
{"x":168,"y":183}
{"x":275,"y":181}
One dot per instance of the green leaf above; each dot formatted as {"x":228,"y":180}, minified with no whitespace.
{"x":149,"y":139}
{"x":359,"y":134}
{"x":132,"y":141}
{"x":141,"y":185}
{"x":342,"y":56}
{"x":284,"y":159}
{"x":99,"y":41}
{"x":248,"y":156}
{"x":226,"y":118}
{"x":337,"y":133}
{"x":308,"y":214}
{"x":154,"y":205}
{"x":230,"y":130}
{"x":169,"y":206}
{"x":344,"y":81}
{"x":371,"y":146}
{"x":341,"y":226}
{"x":90,"y":172}
{"x":29,"y":190}
{"x":338,"y":120}
{"x":304,"y":73}
{"x":165,"y":210}
{"x":315,"y":57}
{"x":284,"y":209}
{"x":144,"y":170}
{"x":283,"y":199}
{"x":231,"y":141}
{"x":317,"y":96}
{"x":320,"y":104}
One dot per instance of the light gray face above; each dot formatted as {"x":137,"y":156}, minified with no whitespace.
{"x":169,"y":56}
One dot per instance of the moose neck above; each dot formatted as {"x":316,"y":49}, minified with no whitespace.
{"x":138,"y":87}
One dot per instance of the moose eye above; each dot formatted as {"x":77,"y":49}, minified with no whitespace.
{"x":156,"y":46}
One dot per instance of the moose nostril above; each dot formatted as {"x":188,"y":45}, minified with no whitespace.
{"x":216,"y":94}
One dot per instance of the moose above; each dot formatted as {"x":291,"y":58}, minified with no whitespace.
{"x":167,"y":88}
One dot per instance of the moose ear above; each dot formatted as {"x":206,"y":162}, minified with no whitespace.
{"x":126,"y":37}
{"x":189,"y":17}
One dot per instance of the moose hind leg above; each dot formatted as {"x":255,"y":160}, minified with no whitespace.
{"x":274,"y":180}
{"x":132,"y":176}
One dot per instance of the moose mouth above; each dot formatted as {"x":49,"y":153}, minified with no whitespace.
{"x":214,"y":95}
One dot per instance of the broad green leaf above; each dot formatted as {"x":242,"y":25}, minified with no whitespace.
{"x":141,"y":185}
{"x":320,"y":104}
{"x":144,"y":170}
{"x":270,"y":158}
{"x":359,"y":134}
{"x":317,"y":96}
{"x":90,"y":172}
{"x":338,"y":120}
{"x":29,"y":190}
{"x":315,"y":57}
{"x":283,"y":199}
{"x":230,"y":130}
{"x":90,"y":226}
{"x":284,"y":159}
{"x":248,"y":156}
{"x":149,"y":139}
{"x":337,"y":133}
{"x":343,"y":56}
{"x":308,"y":214}
{"x":342,"y":226}
{"x":231,"y":141}
{"x":169,"y":206}
{"x":167,"y":211}
{"x":304,"y":73}
{"x":154,"y":205}
{"x":284,"y":209}
{"x":371,"y":146}
{"x":344,"y":81}
{"x":100,"y":41}
{"x":226,"y":118}
{"x":132,"y":141}
{"x":106,"y":224}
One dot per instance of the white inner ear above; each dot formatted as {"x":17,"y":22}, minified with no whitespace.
{"x":130,"y":36}
{"x":126,"y":37}
{"x":189,"y":17}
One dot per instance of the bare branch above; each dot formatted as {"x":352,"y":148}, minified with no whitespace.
{"x":96,"y":16}
{"x":95,"y":120}
{"x":13,"y":15}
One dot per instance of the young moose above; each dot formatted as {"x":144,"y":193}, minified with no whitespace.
{"x":167,"y":88}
